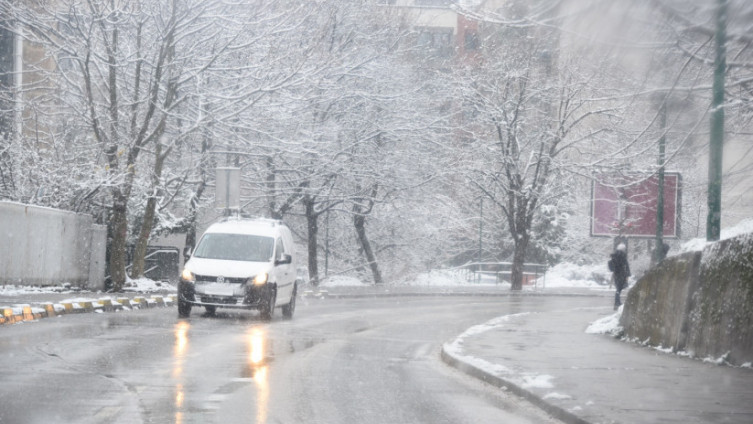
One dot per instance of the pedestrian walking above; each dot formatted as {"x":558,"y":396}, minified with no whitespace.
{"x":618,"y":264}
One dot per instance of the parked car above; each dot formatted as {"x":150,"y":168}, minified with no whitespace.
{"x":241,"y":264}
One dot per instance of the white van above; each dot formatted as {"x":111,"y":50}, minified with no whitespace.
{"x":242,"y":264}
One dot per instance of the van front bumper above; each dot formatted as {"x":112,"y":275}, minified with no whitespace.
{"x":252,"y":297}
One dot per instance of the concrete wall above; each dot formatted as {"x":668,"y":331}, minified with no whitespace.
{"x":656,"y":309}
{"x":44,"y":246}
{"x":721,"y":318}
{"x":700,"y":303}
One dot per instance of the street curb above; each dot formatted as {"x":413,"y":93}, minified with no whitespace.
{"x":323,"y":294}
{"x":499,"y":382}
{"x":26,"y":312}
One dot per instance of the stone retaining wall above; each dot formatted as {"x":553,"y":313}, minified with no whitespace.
{"x":700,"y":303}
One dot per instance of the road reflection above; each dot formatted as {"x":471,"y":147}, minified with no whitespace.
{"x":258,"y":370}
{"x":179,"y":355}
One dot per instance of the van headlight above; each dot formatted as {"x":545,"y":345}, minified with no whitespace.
{"x":260,"y":279}
{"x":187,"y":275}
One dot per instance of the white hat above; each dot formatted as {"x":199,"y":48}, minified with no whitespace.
{"x":621,"y":246}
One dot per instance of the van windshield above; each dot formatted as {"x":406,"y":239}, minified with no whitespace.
{"x":235,"y":247}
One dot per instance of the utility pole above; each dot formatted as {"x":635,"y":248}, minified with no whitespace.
{"x":326,"y":245}
{"x":659,"y":248}
{"x":480,"y":227}
{"x":716,"y":142}
{"x":480,"y":234}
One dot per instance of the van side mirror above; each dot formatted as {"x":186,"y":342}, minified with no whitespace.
{"x":187,"y":253}
{"x":286,"y":259}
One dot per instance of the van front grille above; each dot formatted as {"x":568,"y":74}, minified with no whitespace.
{"x":213,"y":279}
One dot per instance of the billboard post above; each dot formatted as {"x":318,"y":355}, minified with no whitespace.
{"x":227,"y":189}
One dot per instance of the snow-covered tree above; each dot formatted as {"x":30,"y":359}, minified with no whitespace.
{"x":111,"y":80}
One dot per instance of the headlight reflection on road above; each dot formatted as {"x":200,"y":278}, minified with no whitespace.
{"x":181,"y":344}
{"x":179,"y":396}
{"x":179,"y":404}
{"x":257,"y":348}
{"x":179,"y":355}
{"x":258,"y":371}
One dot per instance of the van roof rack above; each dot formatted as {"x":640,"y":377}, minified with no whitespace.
{"x":246,"y":217}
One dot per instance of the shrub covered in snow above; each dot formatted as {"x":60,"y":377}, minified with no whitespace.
{"x":572,"y":275}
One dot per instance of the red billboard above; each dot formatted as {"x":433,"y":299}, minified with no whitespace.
{"x":626,"y":205}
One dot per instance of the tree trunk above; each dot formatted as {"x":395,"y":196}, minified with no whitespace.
{"x":142,"y":243}
{"x":518,"y":260}
{"x":193,"y":205}
{"x":359,"y":221}
{"x":270,"y":186}
{"x":120,"y":195}
{"x":119,"y":223}
{"x":190,"y":237}
{"x":192,"y":213}
{"x":313,"y":231}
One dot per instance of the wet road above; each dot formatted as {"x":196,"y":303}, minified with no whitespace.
{"x":368,"y":360}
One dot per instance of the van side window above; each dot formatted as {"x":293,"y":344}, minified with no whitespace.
{"x":279,"y":249}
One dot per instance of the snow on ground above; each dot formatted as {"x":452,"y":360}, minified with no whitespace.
{"x":145,"y":285}
{"x":608,"y":325}
{"x":572,"y":275}
{"x":435,"y":278}
{"x":562,"y":275}
{"x":450,"y":277}
{"x":142,"y":285}
{"x":14,"y":290}
{"x":540,"y":381}
{"x":341,"y":281}
{"x":558,"y":396}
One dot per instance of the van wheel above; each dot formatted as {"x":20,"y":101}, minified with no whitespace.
{"x":210,"y":309}
{"x":268,"y":307}
{"x":184,"y":309}
{"x":289,"y":309}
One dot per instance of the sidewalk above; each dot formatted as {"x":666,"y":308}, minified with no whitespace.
{"x":578,"y":377}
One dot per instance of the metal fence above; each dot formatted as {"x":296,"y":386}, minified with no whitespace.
{"x":161,"y":263}
{"x":501,"y":272}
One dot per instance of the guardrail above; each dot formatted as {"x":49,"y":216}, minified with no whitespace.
{"x":475,"y":271}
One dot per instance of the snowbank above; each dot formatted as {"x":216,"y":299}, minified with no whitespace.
{"x":697,"y":244}
{"x":450,"y":277}
{"x":145,"y":285}
{"x":341,"y":281}
{"x":559,"y":276}
{"x":572,"y":275}
{"x":13,"y":290}
{"x":141,"y":285}
{"x":607,"y":325}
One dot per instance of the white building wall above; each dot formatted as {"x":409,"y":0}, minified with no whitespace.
{"x":44,"y":246}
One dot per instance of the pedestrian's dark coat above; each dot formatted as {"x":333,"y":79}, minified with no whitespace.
{"x":621,"y":268}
